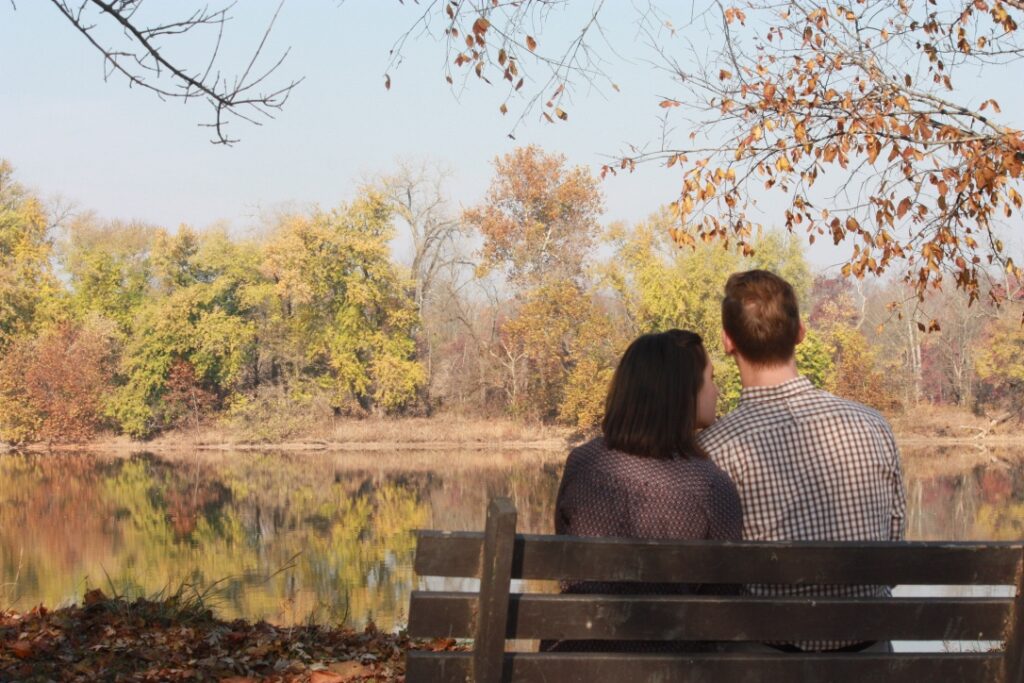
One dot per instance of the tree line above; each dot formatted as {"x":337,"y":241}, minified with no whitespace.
{"x":518,"y":305}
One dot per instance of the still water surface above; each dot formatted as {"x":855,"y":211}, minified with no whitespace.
{"x":289,"y":537}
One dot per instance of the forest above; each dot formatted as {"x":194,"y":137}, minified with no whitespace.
{"x":396,"y":303}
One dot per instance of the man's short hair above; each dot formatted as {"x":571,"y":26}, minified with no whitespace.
{"x":761,"y":315}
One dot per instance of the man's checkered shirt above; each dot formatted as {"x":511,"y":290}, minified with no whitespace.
{"x":810,"y":466}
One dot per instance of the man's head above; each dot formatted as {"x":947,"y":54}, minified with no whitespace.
{"x":761,"y":318}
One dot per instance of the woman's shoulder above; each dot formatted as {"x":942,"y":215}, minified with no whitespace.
{"x":694,"y":474}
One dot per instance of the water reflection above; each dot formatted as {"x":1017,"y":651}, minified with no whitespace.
{"x":291,"y":537}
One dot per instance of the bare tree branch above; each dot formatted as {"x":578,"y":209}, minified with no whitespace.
{"x":144,"y":60}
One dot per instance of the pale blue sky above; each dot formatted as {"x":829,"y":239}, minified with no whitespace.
{"x":126,"y":154}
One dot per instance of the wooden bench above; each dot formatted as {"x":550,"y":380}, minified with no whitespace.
{"x":493,"y":615}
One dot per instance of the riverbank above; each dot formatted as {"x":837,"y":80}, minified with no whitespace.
{"x":444,"y":433}
{"x":172,"y":640}
{"x":927,"y":426}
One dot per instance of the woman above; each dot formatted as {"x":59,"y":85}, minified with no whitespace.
{"x":646,"y":477}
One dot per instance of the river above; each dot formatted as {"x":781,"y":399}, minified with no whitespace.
{"x":293,"y":537}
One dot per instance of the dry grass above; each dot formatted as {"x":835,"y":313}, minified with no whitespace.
{"x":372,"y":434}
{"x":928,"y":421}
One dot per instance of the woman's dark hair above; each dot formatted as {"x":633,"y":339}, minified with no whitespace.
{"x":651,"y":409}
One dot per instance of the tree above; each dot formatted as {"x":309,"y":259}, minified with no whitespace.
{"x":53,"y":387}
{"x":858,"y":373}
{"x":137,"y":44}
{"x":539,"y":218}
{"x":950,"y":351}
{"x":556,"y":329}
{"x":415,"y":191}
{"x":662,"y":286}
{"x":108,"y":267}
{"x":197,"y":311}
{"x":416,"y":194}
{"x":26,"y":275}
{"x":344,"y":307}
{"x":859,"y":117}
{"x":999,"y":362}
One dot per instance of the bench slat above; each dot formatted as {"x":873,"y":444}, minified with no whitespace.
{"x":568,"y":558}
{"x":449,"y":667}
{"x":632,"y":617}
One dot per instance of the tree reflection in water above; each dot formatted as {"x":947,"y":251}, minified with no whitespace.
{"x":292,"y":537}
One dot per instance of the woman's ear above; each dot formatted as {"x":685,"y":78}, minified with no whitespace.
{"x":801,"y":333}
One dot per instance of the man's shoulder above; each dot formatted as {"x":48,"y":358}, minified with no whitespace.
{"x":750,"y":419}
{"x":830,"y":404}
{"x":726,"y":429}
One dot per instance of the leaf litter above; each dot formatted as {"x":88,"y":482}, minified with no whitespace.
{"x":113,"y":639}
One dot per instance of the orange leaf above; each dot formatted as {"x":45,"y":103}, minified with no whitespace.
{"x":22,"y":649}
{"x":481,"y":25}
{"x":665,"y":104}
{"x":345,"y":671}
{"x":531,"y":43}
{"x":94,"y":596}
{"x":327,"y":677}
{"x":904,"y":206}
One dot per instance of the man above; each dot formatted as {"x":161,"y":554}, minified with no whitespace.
{"x":809,"y":466}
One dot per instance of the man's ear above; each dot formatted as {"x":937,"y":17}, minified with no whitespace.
{"x":801,"y":333}
{"x":727,"y":344}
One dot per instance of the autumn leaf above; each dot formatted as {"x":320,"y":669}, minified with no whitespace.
{"x":904,"y":206}
{"x":531,"y":43}
{"x":665,"y":104}
{"x":22,"y":649}
{"x":94,"y":597}
{"x":329,"y":677}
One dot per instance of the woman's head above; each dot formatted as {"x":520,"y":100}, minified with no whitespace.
{"x":661,"y":393}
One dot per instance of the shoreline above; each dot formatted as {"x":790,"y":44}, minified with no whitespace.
{"x":930,"y":429}
{"x":168,"y":446}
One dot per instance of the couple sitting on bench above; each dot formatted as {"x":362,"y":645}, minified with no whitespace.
{"x":790,"y":463}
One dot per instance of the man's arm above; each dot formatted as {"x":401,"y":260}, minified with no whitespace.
{"x":897,"y":523}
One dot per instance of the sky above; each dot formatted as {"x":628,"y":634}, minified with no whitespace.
{"x":125,"y":154}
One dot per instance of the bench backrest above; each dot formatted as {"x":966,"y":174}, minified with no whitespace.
{"x":498,"y":555}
